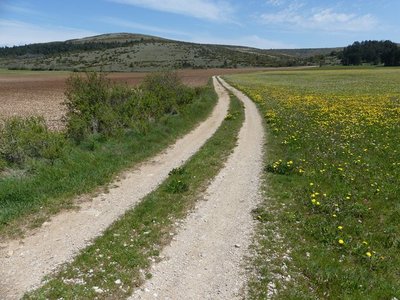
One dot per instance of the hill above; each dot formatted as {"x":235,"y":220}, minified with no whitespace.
{"x":137,"y":52}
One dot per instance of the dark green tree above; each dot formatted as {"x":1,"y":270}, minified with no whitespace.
{"x":372,"y":52}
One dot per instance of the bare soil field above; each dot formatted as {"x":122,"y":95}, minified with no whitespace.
{"x":42,"y":93}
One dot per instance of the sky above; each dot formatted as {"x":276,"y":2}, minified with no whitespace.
{"x":263,"y":24}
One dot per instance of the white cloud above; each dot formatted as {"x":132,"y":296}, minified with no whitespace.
{"x":276,"y":2}
{"x":201,"y":9}
{"x":20,"y":33}
{"x":330,"y":19}
{"x":320,"y":19}
{"x":142,"y":27}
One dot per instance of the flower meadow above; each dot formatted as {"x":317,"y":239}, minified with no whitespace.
{"x":332,"y":174}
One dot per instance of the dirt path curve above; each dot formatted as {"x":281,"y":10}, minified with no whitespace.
{"x":205,"y":260}
{"x":23,"y":263}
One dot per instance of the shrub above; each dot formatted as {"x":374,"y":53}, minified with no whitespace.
{"x":97,"y":106}
{"x":168,"y":90}
{"x":22,"y":139}
{"x":88,"y":107}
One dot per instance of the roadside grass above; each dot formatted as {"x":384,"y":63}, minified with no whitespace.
{"x":29,"y":195}
{"x":329,"y":226}
{"x":119,"y":261}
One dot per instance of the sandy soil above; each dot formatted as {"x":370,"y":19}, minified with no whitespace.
{"x":41,"y":93}
{"x":205,"y":260}
{"x":25,"y":262}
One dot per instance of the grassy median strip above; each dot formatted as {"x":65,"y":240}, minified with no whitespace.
{"x":119,"y":260}
{"x":30,"y":194}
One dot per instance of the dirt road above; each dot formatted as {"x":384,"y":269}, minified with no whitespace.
{"x":205,"y":261}
{"x":25,"y":262}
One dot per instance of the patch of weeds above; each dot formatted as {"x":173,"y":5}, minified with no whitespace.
{"x":281,"y":167}
{"x":229,"y":117}
{"x":177,"y":171}
{"x":177,"y":182}
{"x":177,"y":186}
{"x":261,"y":215}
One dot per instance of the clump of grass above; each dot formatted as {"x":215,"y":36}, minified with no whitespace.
{"x":119,"y":261}
{"x":177,"y":186}
{"x":339,"y":218}
{"x":283,"y":167}
{"x":177,"y":171}
{"x":177,"y":183}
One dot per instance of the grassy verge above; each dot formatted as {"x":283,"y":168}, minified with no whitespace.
{"x":29,"y":196}
{"x":329,"y":224}
{"x":119,"y":260}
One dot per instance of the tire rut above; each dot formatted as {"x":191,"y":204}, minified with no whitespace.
{"x":205,"y":259}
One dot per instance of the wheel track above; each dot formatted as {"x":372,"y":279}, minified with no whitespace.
{"x":205,"y":260}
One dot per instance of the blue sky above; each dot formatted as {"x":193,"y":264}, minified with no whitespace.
{"x":257,"y":23}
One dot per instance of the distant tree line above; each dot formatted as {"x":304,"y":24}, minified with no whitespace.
{"x":371,"y":52}
{"x":54,"y":48}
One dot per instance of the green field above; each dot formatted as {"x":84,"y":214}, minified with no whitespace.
{"x":329,"y":226}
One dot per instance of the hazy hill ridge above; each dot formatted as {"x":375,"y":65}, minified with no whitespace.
{"x":137,"y":52}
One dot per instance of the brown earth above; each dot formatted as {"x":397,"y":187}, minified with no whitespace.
{"x":42,"y":93}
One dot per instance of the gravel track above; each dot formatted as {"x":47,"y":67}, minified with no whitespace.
{"x":25,"y":262}
{"x":205,"y":259}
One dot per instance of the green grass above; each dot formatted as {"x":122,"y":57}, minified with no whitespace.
{"x":30,"y":195}
{"x":329,"y":226}
{"x":126,"y":249}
